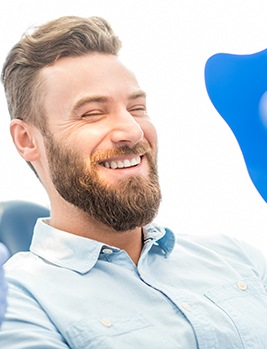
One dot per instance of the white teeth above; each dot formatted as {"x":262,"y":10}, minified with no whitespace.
{"x":113,"y":165}
{"x":122,"y":164}
{"x":135,"y":161}
{"x":127,"y":163}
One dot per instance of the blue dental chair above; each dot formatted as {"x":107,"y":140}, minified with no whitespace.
{"x":17,"y":220}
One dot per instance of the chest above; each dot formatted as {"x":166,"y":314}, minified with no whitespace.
{"x":171,"y":305}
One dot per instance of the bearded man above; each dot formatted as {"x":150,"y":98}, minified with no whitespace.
{"x":100,"y":273}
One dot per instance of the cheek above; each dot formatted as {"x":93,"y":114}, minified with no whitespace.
{"x":150,"y":133}
{"x":87,"y":140}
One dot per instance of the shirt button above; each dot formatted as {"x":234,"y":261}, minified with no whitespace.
{"x":106,"y":322}
{"x":186,"y":306}
{"x":107,"y":251}
{"x":242,"y":285}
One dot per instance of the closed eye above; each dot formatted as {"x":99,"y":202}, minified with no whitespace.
{"x":92,"y":113}
{"x":138,"y":111}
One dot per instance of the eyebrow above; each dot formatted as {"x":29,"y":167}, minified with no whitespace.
{"x":137,"y":94}
{"x":104,"y":99}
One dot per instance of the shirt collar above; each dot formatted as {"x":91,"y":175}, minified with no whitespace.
{"x":80,"y":254}
{"x":164,"y":237}
{"x":64,"y":249}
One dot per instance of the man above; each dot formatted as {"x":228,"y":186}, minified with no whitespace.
{"x":100,"y":274}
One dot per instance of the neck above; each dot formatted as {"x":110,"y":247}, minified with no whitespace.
{"x":75,"y":221}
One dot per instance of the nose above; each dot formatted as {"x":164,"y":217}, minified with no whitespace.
{"x":126,"y":130}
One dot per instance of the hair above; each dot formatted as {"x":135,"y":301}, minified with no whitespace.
{"x":68,"y":36}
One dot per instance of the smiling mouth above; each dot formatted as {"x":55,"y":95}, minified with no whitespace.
{"x":126,"y":163}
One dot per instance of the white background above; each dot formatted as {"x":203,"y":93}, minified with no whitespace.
{"x":206,"y":187}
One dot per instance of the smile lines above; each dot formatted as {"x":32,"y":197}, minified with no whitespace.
{"x":122,"y":163}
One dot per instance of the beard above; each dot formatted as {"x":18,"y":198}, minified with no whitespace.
{"x":123,"y":206}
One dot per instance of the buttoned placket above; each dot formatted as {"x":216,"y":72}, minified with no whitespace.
{"x":185,"y":304}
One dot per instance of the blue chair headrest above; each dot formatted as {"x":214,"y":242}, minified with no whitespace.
{"x":17,"y":220}
{"x":237,"y":87}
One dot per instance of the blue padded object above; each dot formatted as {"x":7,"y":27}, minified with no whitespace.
{"x":237,"y":87}
{"x":17,"y":220}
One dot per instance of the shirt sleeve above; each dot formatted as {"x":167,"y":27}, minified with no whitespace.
{"x":26,"y":325}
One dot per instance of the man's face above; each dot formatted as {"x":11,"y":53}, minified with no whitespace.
{"x":100,"y":143}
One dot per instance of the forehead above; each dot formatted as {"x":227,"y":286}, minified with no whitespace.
{"x":93,"y":71}
{"x":73,"y":78}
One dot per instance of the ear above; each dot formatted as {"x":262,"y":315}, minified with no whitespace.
{"x":25,"y":139}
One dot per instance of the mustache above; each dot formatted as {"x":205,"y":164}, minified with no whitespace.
{"x":138,"y":149}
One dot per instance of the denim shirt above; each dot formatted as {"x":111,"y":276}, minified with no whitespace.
{"x":187,"y":292}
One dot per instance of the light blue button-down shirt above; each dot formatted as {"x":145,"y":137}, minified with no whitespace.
{"x":195,"y":292}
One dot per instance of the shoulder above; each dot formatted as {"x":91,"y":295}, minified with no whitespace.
{"x":24,"y":268}
{"x":225,"y":244}
{"x":236,"y":252}
{"x":19,"y":261}
{"x":211,"y":241}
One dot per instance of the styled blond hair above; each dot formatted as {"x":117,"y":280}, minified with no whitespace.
{"x":65,"y":36}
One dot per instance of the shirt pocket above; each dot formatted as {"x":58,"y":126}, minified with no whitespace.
{"x":96,"y":332}
{"x":245,"y":303}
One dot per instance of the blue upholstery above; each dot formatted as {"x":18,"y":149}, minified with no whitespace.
{"x":17,"y":220}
